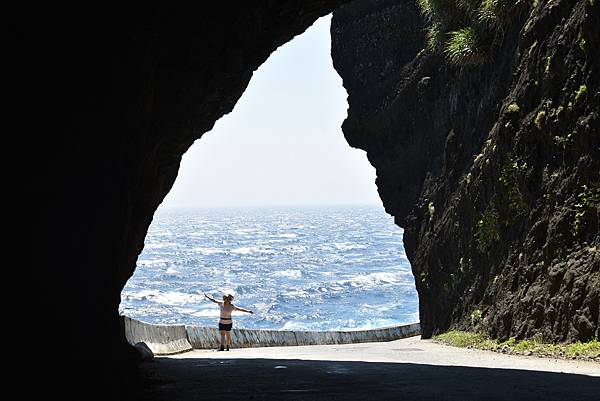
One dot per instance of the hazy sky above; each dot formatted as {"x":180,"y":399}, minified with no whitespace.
{"x":282,"y":144}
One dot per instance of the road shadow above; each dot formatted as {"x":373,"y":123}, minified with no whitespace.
{"x":282,"y":379}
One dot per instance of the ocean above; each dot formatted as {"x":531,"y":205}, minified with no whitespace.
{"x":305,"y":268}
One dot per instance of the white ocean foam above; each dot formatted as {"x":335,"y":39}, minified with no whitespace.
{"x":159,"y":245}
{"x":176,"y":298}
{"x":248,"y":250}
{"x":386,"y":277}
{"x":295,"y":294}
{"x":370,"y":324}
{"x":346,"y":246}
{"x":226,"y":290}
{"x":290,"y":273}
{"x":212,"y":312}
{"x":292,"y":227}
{"x":208,"y":250}
{"x":152,"y":262}
{"x":141,"y":294}
{"x":287,"y":235}
{"x":300,"y":326}
{"x":294,"y":249}
{"x":172,"y":270}
{"x":370,"y":280}
{"x":380,"y":307}
{"x":185,"y":311}
{"x":248,"y":231}
{"x":164,"y":297}
{"x":293,"y":326}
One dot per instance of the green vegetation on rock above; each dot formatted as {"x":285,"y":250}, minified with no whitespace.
{"x":581,"y":41}
{"x":464,"y":47}
{"x":513,"y":108}
{"x":580,"y":92}
{"x":463,"y":339}
{"x":509,"y":180}
{"x":435,"y":36}
{"x":476,"y":316}
{"x":563,"y":142}
{"x":540,"y":118}
{"x":467,"y":339}
{"x":467,"y":29}
{"x":487,"y":229}
{"x":548,"y":65}
{"x":588,"y":199}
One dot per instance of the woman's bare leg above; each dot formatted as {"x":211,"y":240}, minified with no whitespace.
{"x":228,"y":336}
{"x":222,"y":338}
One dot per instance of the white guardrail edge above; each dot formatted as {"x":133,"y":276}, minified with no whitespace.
{"x":173,"y":339}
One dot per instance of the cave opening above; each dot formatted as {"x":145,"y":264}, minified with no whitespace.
{"x":274,"y":206}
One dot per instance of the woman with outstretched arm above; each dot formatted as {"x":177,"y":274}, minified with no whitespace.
{"x":225,"y":321}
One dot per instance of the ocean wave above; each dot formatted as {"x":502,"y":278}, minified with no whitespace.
{"x":371,"y":280}
{"x":159,"y":245}
{"x":300,"y":326}
{"x":293,"y":294}
{"x":287,"y":235}
{"x":249,"y":231}
{"x":172,"y":270}
{"x":164,"y":297}
{"x":208,"y":250}
{"x":212,"y":312}
{"x":347,"y":246}
{"x":248,"y":250}
{"x":153,"y":262}
{"x":294,"y":249}
{"x":291,"y":273}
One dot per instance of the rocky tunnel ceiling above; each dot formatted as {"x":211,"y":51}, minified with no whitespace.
{"x":125,"y":91}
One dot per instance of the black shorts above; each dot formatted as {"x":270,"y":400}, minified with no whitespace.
{"x":226,"y":327}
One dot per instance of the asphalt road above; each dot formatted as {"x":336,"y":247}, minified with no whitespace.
{"x":408,"y":369}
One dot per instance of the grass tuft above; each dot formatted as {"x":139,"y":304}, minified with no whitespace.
{"x":467,"y":339}
{"x":588,"y":349}
{"x":463,"y":339}
{"x":496,"y":13}
{"x":464,"y":47}
{"x":459,"y":26}
{"x":435,"y":36}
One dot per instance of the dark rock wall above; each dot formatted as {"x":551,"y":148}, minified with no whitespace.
{"x":117,"y":95}
{"x":499,"y":204}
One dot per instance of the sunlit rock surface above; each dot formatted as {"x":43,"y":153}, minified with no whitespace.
{"x":499,"y":205}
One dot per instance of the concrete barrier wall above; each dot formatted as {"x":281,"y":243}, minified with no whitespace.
{"x":161,"y":339}
{"x":173,"y":339}
{"x":209,"y":338}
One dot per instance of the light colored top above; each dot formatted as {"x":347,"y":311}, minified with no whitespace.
{"x":226,"y":310}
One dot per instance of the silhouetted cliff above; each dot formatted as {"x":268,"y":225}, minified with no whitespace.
{"x":492,"y":170}
{"x":115,"y":95}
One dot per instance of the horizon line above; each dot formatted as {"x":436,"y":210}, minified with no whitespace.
{"x":263,"y":206}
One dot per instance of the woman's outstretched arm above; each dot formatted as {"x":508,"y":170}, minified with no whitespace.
{"x":243,"y":310}
{"x":212,"y":299}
